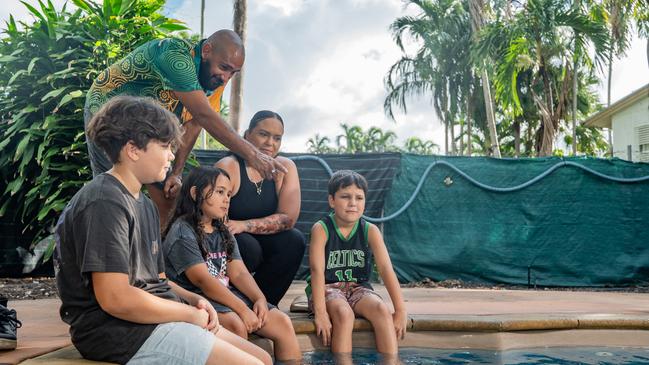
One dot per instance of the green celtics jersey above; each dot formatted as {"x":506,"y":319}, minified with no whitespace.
{"x":155,"y":69}
{"x":347,"y":259}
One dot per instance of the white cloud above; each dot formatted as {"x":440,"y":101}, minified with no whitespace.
{"x":322,"y":62}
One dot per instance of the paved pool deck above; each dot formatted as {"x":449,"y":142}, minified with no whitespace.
{"x":440,"y":318}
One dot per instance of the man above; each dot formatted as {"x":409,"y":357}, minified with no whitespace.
{"x":188,"y":80}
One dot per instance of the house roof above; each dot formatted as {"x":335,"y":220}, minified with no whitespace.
{"x":604,"y":117}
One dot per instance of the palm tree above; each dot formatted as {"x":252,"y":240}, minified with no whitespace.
{"x":540,"y":41}
{"x":419,"y":146}
{"x":440,"y":67}
{"x":619,"y":14}
{"x":239,"y":24}
{"x":476,"y":8}
{"x":318,"y":144}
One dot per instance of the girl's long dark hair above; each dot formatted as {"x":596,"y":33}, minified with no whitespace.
{"x":189,"y":209}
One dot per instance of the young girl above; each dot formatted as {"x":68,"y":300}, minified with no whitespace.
{"x":203,"y":257}
{"x":340,"y":253}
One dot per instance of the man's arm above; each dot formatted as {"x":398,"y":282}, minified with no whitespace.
{"x":119,"y":299}
{"x":211,"y":121}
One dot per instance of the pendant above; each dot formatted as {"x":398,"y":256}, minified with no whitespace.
{"x":258,"y":189}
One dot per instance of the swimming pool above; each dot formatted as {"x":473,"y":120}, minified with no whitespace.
{"x":560,"y":356}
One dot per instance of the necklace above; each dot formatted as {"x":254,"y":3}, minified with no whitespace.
{"x":258,"y":186}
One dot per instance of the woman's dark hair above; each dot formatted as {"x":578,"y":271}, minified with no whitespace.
{"x":189,"y":209}
{"x":344,"y":178}
{"x":261,"y":115}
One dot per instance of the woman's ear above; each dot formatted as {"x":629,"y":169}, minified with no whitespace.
{"x":192,"y":193}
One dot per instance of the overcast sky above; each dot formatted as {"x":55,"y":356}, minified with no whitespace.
{"x":320,"y":63}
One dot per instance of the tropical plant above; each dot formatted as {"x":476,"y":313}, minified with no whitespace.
{"x":540,"y":42}
{"x":420,"y":147}
{"x":319,"y":145}
{"x":440,"y":68}
{"x":45,"y":69}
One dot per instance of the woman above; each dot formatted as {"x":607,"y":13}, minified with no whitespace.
{"x":263,"y":212}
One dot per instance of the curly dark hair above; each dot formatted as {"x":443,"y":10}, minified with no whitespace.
{"x":189,"y":209}
{"x":136,"y":119}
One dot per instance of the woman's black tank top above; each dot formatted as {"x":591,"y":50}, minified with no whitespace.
{"x":247,"y":204}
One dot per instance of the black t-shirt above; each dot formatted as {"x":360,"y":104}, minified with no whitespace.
{"x":105,"y":229}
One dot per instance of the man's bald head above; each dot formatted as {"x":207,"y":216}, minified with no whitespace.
{"x":222,"y":55}
{"x":226,"y":41}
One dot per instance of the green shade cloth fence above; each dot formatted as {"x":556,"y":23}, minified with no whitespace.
{"x":571,"y":228}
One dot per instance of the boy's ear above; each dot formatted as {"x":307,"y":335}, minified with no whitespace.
{"x":132,"y":151}
{"x":330,"y":198}
{"x":192,"y":193}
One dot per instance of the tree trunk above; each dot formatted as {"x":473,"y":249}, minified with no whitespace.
{"x":517,"y":137}
{"x":469,"y":139}
{"x":446,"y":138}
{"x":461,"y":152}
{"x":239,"y":23}
{"x":475,"y":8}
{"x":574,"y":106}
{"x":608,"y":95}
{"x":452,"y":129}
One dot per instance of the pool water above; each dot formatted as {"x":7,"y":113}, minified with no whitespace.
{"x":561,"y":356}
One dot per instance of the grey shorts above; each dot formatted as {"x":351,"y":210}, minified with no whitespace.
{"x":99,"y":162}
{"x":220,"y":308}
{"x":175,"y":343}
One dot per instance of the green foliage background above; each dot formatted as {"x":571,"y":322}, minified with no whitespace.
{"x":45,"y":70}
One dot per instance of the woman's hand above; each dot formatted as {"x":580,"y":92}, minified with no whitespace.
{"x":236,"y":227}
{"x":400,"y":319}
{"x":261,"y":310}
{"x":323,"y":327}
{"x":250,"y":320}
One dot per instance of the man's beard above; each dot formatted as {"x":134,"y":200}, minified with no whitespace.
{"x":205,"y":78}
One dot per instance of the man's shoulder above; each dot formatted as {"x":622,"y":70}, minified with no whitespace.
{"x":170,"y":45}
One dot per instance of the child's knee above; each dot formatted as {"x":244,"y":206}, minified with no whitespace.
{"x":378,"y":311}
{"x":341,"y":313}
{"x":234,"y":324}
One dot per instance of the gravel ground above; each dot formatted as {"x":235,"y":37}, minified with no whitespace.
{"x":28,"y":288}
{"x":45,"y":287}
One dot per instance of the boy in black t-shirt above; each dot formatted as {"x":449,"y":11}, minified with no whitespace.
{"x":108,"y":260}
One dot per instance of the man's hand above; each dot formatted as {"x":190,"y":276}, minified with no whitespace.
{"x":172,"y":186}
{"x":213,"y":321}
{"x":261,"y":310}
{"x":267,"y":166}
{"x":400,"y":319}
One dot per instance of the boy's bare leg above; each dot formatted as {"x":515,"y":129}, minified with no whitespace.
{"x":244,"y":345}
{"x":342,"y":323}
{"x":226,"y":353}
{"x":165,"y":206}
{"x":279,"y":329}
{"x":376,"y":311}
{"x":233,"y":323}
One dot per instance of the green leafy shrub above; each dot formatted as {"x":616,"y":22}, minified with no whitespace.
{"x":45,"y":70}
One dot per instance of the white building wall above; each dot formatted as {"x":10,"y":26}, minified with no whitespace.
{"x":625,"y":123}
